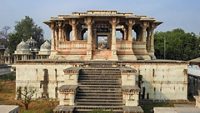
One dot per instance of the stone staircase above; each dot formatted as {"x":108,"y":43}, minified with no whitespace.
{"x":99,"y":88}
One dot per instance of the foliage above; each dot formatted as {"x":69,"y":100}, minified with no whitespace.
{"x":25,"y":95}
{"x":9,"y":76}
{"x":25,"y":29}
{"x":100,"y":111}
{"x":179,"y":45}
{"x":4,"y":35}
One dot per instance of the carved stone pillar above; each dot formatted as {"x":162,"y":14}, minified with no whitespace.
{"x":74,"y":29}
{"x":151,"y":48}
{"x":52,"y":36}
{"x":130,"y":26}
{"x":114,"y":22}
{"x":89,"y":22}
{"x":144,"y":26}
{"x":143,"y":39}
{"x":60,"y":31}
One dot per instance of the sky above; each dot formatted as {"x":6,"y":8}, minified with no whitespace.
{"x":183,"y":14}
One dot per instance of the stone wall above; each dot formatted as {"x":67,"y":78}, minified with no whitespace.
{"x":160,"y":80}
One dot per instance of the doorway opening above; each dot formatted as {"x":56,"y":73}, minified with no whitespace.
{"x":102,"y":42}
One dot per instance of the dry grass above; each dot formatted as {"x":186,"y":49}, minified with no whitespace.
{"x":7,"y":97}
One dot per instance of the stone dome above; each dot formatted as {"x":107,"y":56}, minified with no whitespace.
{"x":31,"y":42}
{"x":7,"y":52}
{"x":22,"y":46}
{"x":45,"y":46}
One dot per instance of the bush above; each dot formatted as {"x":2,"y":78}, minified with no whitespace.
{"x":10,"y":76}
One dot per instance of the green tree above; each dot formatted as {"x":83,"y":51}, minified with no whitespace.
{"x":25,"y":29}
{"x":179,"y":45}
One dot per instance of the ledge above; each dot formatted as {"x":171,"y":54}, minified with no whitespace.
{"x":62,"y":108}
{"x":133,"y":109}
{"x":68,"y":88}
{"x":130,"y":88}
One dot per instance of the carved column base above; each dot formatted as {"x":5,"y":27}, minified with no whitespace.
{"x":114,"y":56}
{"x":89,"y":55}
{"x":146,"y":57}
{"x":53,"y":54}
{"x":152,"y":55}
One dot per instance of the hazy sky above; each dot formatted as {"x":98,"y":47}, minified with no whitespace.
{"x":174,"y":13}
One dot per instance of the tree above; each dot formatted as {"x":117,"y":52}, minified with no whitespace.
{"x":25,"y":29}
{"x":177,"y":45}
{"x":4,"y":35}
{"x":25,"y":95}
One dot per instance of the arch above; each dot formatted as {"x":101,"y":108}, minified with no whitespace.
{"x":67,"y":31}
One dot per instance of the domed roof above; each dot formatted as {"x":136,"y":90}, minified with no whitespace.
{"x":23,"y":46}
{"x":45,"y":46}
{"x":7,"y":52}
{"x":31,"y":41}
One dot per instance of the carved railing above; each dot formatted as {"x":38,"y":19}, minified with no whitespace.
{"x":124,"y":45}
{"x":78,"y":44}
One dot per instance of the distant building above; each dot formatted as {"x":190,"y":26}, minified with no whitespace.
{"x":2,"y":49}
{"x":27,"y":50}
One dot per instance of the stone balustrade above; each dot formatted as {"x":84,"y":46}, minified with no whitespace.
{"x":78,"y":44}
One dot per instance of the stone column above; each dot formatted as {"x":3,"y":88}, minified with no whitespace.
{"x":144,"y":26}
{"x":52,"y":26}
{"x":114,"y":22}
{"x":130,"y":27}
{"x":74,"y":29}
{"x":89,"y":22}
{"x":59,"y":31}
{"x":151,"y":49}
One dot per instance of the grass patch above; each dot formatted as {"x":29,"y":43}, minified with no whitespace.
{"x":10,"y":76}
{"x":7,"y":97}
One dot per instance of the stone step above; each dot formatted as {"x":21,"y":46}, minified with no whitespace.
{"x":99,"y":86}
{"x":86,"y":109}
{"x":117,"y":80}
{"x":99,"y":83}
{"x":100,"y":97}
{"x":100,"y":71}
{"x":100,"y":94}
{"x":100,"y":103}
{"x":100,"y":100}
{"x":99,"y":91}
{"x":99,"y":78}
